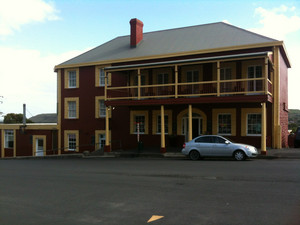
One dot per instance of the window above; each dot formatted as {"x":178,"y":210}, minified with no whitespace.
{"x":162,"y":78}
{"x":72,"y":79}
{"x":101,"y":77}
{"x":254,"y":124}
{"x":205,"y":139}
{"x":224,"y":124}
{"x":139,"y":124}
{"x":72,"y":142}
{"x":102,"y":108}
{"x":9,"y":139}
{"x":72,"y":109}
{"x":255,"y":72}
{"x":225,"y":74}
{"x":192,"y":76}
{"x":218,"y":140}
{"x":159,"y":124}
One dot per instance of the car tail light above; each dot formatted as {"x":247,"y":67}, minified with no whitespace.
{"x":183,"y":145}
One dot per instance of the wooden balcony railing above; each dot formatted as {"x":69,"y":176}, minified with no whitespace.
{"x":194,"y":89}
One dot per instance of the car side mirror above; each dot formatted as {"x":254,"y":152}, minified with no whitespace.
{"x":227,"y":142}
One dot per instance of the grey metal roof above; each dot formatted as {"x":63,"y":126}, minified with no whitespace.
{"x":44,"y":118}
{"x":180,"y":40}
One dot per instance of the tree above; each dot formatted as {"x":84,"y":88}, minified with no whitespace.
{"x":15,"y":118}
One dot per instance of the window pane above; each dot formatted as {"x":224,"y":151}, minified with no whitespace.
{"x":9,"y":139}
{"x":72,"y":109}
{"x":72,"y":79}
{"x":140,"y":121}
{"x":102,"y":110}
{"x":101,"y":77}
{"x":72,"y":142}
{"x":254,"y":124}
{"x":205,"y":139}
{"x":224,"y":124}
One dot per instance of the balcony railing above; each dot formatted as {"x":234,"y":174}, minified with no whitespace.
{"x":252,"y":86}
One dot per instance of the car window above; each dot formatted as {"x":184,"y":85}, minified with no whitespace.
{"x":219,"y":140}
{"x":205,"y":139}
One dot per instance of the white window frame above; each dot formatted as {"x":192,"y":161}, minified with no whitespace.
{"x":9,"y":137}
{"x":72,"y":113}
{"x":72,"y":77}
{"x":72,"y":142}
{"x":247,"y":119}
{"x":102,"y":77}
{"x":224,"y":114}
{"x":102,"y":109}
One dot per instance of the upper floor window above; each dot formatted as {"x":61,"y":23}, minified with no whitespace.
{"x":72,"y":79}
{"x":254,"y":124}
{"x":72,"y":109}
{"x":163,"y":78}
{"x":255,"y":72}
{"x":9,"y":139}
{"x":192,"y":76}
{"x":101,"y":77}
{"x":102,"y":108}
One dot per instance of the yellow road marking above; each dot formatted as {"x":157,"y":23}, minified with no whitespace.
{"x":154,"y":217}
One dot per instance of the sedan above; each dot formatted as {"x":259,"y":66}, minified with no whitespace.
{"x":217,"y":146}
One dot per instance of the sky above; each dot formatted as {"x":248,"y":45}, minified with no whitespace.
{"x":39,"y":34}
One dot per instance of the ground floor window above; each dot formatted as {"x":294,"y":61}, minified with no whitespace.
{"x":9,"y":139}
{"x":224,"y":124}
{"x":254,"y":124}
{"x":139,"y":124}
{"x":72,"y":142}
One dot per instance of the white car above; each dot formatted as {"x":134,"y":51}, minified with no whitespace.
{"x":217,"y":146}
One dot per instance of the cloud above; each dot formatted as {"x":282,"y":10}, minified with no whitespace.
{"x":277,"y":22}
{"x":28,"y":77}
{"x":16,"y":13}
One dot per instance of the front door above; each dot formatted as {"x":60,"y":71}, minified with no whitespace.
{"x":39,"y":147}
{"x":196,"y":127}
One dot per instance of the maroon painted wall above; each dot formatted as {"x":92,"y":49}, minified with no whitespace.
{"x":284,"y":102}
{"x":24,"y":142}
{"x":87,"y":123}
{"x":121,"y":126}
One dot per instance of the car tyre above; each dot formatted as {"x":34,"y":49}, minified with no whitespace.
{"x":239,"y":155}
{"x":194,"y":155}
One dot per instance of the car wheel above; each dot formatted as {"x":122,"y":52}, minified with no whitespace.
{"x":239,"y":155}
{"x":194,"y":155}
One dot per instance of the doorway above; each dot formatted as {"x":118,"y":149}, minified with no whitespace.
{"x":39,"y":151}
{"x":196,"y":126}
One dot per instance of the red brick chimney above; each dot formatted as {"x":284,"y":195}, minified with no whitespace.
{"x":136,"y":32}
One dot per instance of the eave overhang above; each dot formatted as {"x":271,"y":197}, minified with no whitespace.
{"x":179,"y":54}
